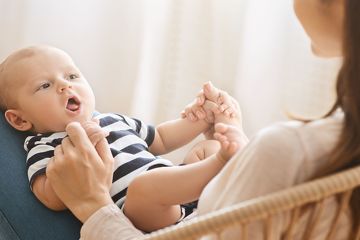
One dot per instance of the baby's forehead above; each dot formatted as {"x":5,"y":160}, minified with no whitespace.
{"x":37,"y":51}
{"x":21,"y":61}
{"x":25,"y":59}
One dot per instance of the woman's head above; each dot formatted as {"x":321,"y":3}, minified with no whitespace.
{"x":334,"y":28}
{"x":323,"y":22}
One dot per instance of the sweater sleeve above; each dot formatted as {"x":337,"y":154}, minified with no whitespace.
{"x":269,"y":163}
{"x":109,"y":223}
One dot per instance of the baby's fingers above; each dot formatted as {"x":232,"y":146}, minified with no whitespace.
{"x":94,"y":131}
{"x":96,"y":137}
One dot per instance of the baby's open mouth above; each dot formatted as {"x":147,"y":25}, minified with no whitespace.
{"x":73,"y":104}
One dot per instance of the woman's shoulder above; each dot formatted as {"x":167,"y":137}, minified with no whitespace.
{"x":322,"y":130}
{"x":298,"y":143}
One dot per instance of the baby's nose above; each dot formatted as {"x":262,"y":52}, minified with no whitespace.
{"x":63,"y":86}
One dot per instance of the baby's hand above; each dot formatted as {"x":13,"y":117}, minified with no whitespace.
{"x":213,"y":105}
{"x":231,"y":138}
{"x":225,"y":103}
{"x":94,"y":131}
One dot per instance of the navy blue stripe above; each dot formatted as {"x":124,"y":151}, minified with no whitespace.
{"x":31,"y":143}
{"x":130,"y":166}
{"x":134,"y":149}
{"x":115,"y":135}
{"x":55,"y":142}
{"x":157,"y":166}
{"x":124,"y":120}
{"x":108,"y":120}
{"x":119,"y":195}
{"x":39,"y":156}
{"x":150,"y":135}
{"x":122,"y":193}
{"x":138,"y":124}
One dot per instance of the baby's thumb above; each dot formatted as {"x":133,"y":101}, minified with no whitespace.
{"x":95,"y":120}
{"x":211,"y":93}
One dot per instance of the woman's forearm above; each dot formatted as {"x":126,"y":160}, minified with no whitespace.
{"x":109,"y":223}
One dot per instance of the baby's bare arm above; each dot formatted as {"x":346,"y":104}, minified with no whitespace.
{"x":45,"y":193}
{"x":171,"y":135}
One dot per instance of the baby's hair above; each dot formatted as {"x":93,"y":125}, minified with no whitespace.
{"x":6,"y":96}
{"x":3,"y":88}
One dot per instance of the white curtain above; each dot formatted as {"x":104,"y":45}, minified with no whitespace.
{"x":148,"y":59}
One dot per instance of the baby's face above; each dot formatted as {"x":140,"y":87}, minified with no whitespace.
{"x":50,"y":91}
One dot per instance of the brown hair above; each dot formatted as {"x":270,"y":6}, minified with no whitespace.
{"x":346,"y":153}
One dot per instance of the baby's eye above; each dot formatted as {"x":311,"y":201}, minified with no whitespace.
{"x":73,"y":76}
{"x":44,"y":86}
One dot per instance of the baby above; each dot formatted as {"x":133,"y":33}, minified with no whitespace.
{"x":42,"y":91}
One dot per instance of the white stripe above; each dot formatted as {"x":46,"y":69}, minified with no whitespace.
{"x":120,"y":201}
{"x":104,"y":115}
{"x":52,"y":137}
{"x":131,"y":122}
{"x":117,"y":126}
{"x":124,"y":181}
{"x":37,"y":166}
{"x":124,"y":157}
{"x":39,"y":149}
{"x":143,"y":131}
{"x":126,"y":141}
{"x":44,"y":140}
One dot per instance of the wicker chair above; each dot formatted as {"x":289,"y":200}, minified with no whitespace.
{"x":312,"y":193}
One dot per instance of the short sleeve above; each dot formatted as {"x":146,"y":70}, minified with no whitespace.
{"x":40,"y":150}
{"x":146,"y":132}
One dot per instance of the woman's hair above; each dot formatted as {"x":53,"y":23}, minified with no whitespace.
{"x":346,"y":154}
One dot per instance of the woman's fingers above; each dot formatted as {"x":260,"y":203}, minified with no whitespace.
{"x":79,"y":174}
{"x":79,"y":139}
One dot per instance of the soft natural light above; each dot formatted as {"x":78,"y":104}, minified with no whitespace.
{"x":149,"y":59}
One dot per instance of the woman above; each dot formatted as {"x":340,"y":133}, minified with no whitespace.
{"x":278,"y":157}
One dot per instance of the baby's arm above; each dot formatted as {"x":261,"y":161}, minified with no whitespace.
{"x":211,"y":106}
{"x":171,"y":135}
{"x":45,"y":193}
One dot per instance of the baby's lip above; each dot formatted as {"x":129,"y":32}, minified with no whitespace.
{"x":73,"y":103}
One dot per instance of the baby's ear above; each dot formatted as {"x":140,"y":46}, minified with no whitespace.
{"x":15,"y":119}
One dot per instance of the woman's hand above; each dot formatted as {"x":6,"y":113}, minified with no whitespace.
{"x":80,"y":174}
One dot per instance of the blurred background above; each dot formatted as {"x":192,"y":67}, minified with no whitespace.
{"x":148,"y":59}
